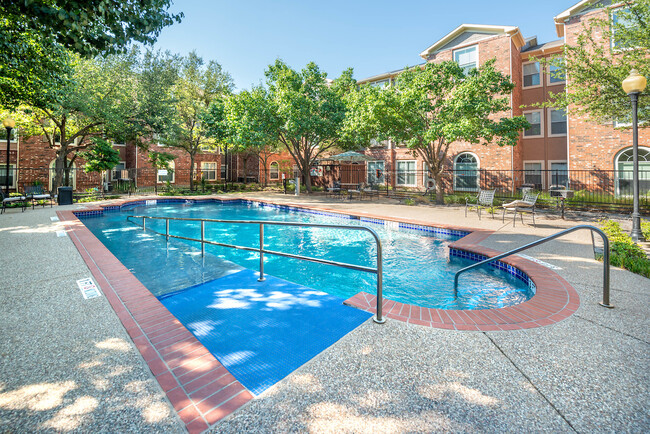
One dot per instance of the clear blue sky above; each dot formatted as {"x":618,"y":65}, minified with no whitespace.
{"x":373,"y":37}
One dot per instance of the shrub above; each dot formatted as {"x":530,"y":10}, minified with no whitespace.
{"x":645,"y":228}
{"x":624,"y":252}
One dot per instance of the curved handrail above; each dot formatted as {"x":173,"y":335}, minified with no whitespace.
{"x":378,"y":318}
{"x":593,"y":229}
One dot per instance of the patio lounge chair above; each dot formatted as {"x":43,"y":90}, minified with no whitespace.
{"x":35,"y":193}
{"x":527,"y":204}
{"x":9,"y":200}
{"x":484,"y":199}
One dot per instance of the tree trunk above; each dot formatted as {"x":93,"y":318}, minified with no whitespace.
{"x":306,"y":178}
{"x":440,"y":190}
{"x":59,"y":165}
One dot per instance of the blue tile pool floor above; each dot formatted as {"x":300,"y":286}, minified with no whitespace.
{"x":262,"y":331}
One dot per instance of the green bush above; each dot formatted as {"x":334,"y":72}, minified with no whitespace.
{"x":645,"y":228}
{"x":624,"y":252}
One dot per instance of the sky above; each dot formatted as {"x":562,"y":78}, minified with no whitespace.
{"x":373,"y":37}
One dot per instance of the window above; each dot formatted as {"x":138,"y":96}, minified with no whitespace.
{"x":406,"y":173}
{"x":624,"y":164}
{"x":535,"y":120}
{"x":559,"y":174}
{"x":69,"y":179}
{"x":117,"y":170}
{"x":558,"y":122}
{"x":209,"y":171}
{"x":467,"y":58}
{"x":165,"y":175}
{"x":466,"y":172}
{"x":533,"y":173}
{"x":375,"y":172}
{"x":224,"y":168}
{"x":3,"y":135}
{"x":380,"y":83}
{"x":556,"y":72}
{"x":274,"y":172}
{"x":3,"y":175}
{"x":620,"y":21}
{"x":531,"y":74}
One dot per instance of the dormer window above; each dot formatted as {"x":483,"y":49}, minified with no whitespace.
{"x":467,"y":58}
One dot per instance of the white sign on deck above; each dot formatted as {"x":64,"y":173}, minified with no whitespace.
{"x":54,"y":219}
{"x":88,"y":288}
{"x":61,"y":234}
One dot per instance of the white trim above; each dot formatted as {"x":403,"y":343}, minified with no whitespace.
{"x":172,"y":167}
{"x":550,"y":122}
{"x":616,"y":169}
{"x":541,"y":120}
{"x":271,"y":177}
{"x":415,"y":173}
{"x":215,"y":170}
{"x":118,"y":144}
{"x":550,"y":167}
{"x":478,"y":173}
{"x":478,"y":59}
{"x":543,"y":180}
{"x":3,"y":172}
{"x":547,"y":71}
{"x":541,"y":81}
{"x":496,"y":30}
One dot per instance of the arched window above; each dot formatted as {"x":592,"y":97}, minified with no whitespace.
{"x":71,"y":178}
{"x":274,"y":170}
{"x":466,"y":172}
{"x":166,"y":174}
{"x":624,"y":166}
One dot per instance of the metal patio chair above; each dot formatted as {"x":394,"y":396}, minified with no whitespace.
{"x":9,"y":200}
{"x":34,"y":193}
{"x":484,"y":199}
{"x":527,"y":204}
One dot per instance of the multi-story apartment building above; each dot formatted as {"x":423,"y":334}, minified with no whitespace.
{"x":558,"y":142}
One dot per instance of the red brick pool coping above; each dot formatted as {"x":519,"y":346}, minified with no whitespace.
{"x":201,"y":389}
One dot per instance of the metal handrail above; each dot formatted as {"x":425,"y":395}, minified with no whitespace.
{"x":378,"y":318}
{"x":593,"y":229}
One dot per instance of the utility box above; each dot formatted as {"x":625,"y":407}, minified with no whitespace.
{"x":64,"y":196}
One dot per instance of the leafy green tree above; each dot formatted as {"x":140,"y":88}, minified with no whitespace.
{"x":100,"y":157}
{"x":33,"y":69}
{"x":605,"y":51}
{"x":307,"y":111}
{"x":100,"y":101}
{"x":160,"y":161}
{"x":251,"y":126}
{"x":435,"y":105}
{"x":198,"y":86}
{"x":91,"y":27}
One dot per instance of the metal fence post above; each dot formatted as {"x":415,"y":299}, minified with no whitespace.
{"x":202,"y":238}
{"x":144,"y":223}
{"x":261,"y":278}
{"x":167,"y":229}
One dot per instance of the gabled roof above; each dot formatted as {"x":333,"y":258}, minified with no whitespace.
{"x":572,"y":11}
{"x":510,"y":30}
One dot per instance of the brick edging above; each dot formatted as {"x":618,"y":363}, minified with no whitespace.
{"x":198,"y":386}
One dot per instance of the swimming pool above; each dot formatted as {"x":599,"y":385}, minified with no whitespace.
{"x":417,"y":266}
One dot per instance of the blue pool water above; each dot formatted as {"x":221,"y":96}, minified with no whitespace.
{"x":417,"y":268}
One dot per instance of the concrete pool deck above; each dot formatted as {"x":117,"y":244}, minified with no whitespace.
{"x":68,"y":363}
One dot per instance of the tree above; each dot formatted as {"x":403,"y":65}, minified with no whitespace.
{"x":435,"y":105}
{"x":160,"y":161}
{"x":197,"y":87}
{"x":33,"y":69}
{"x":605,"y":51}
{"x":99,"y":101}
{"x":250,"y":125}
{"x":102,"y":156}
{"x":307,"y":111}
{"x":91,"y":27}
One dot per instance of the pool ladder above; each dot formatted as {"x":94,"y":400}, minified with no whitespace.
{"x":378,"y":318}
{"x":592,"y":229}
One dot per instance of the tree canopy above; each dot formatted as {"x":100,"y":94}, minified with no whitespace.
{"x":605,"y":52}
{"x":91,"y":27}
{"x":306,"y":111}
{"x":197,"y":87}
{"x":434,"y":105}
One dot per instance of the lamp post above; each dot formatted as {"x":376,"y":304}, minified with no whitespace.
{"x":633,"y":85}
{"x":9,"y":124}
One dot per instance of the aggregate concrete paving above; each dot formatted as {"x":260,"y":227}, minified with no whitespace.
{"x":67,"y":364}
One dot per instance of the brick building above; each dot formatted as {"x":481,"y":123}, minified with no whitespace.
{"x":560,"y":148}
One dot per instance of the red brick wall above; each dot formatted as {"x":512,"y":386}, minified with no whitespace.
{"x":595,"y":145}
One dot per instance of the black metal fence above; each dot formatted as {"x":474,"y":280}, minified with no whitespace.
{"x":604,"y":189}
